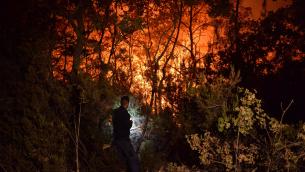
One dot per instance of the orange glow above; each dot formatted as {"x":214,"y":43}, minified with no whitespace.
{"x":257,"y":7}
{"x":270,"y":55}
{"x":134,"y":55}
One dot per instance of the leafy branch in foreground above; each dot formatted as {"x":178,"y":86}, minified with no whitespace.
{"x":249,"y":138}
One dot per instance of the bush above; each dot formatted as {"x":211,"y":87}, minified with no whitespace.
{"x":249,"y":139}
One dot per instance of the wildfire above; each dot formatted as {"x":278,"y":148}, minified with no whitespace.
{"x":133,"y":49}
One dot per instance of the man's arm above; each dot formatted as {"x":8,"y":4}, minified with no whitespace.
{"x":127,"y":120}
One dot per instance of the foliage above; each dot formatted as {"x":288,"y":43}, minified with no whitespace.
{"x":37,"y":110}
{"x":248,"y":138}
{"x":173,"y":167}
{"x":271,"y":58}
{"x":207,"y":101}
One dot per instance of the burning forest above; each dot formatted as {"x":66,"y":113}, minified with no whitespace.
{"x":152,"y":85}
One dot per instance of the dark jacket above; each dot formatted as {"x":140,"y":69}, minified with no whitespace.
{"x":121,"y":124}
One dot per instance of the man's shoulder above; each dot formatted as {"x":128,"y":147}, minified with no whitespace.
{"x":119,"y":110}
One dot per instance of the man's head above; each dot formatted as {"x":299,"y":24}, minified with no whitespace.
{"x":125,"y":101}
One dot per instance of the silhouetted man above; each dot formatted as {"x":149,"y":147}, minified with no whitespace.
{"x":121,"y":130}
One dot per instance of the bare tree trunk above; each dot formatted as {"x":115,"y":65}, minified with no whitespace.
{"x":237,"y":20}
{"x":114,"y":35}
{"x":77,"y":127}
{"x":80,"y":30}
{"x":237,"y":152}
{"x":104,"y":22}
{"x":77,"y":120}
{"x":191,"y":32}
{"x":192,"y":53}
{"x":160,"y":87}
{"x":130,"y":62}
{"x":237,"y":59}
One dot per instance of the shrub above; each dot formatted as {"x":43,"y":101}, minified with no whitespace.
{"x":249,"y":139}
